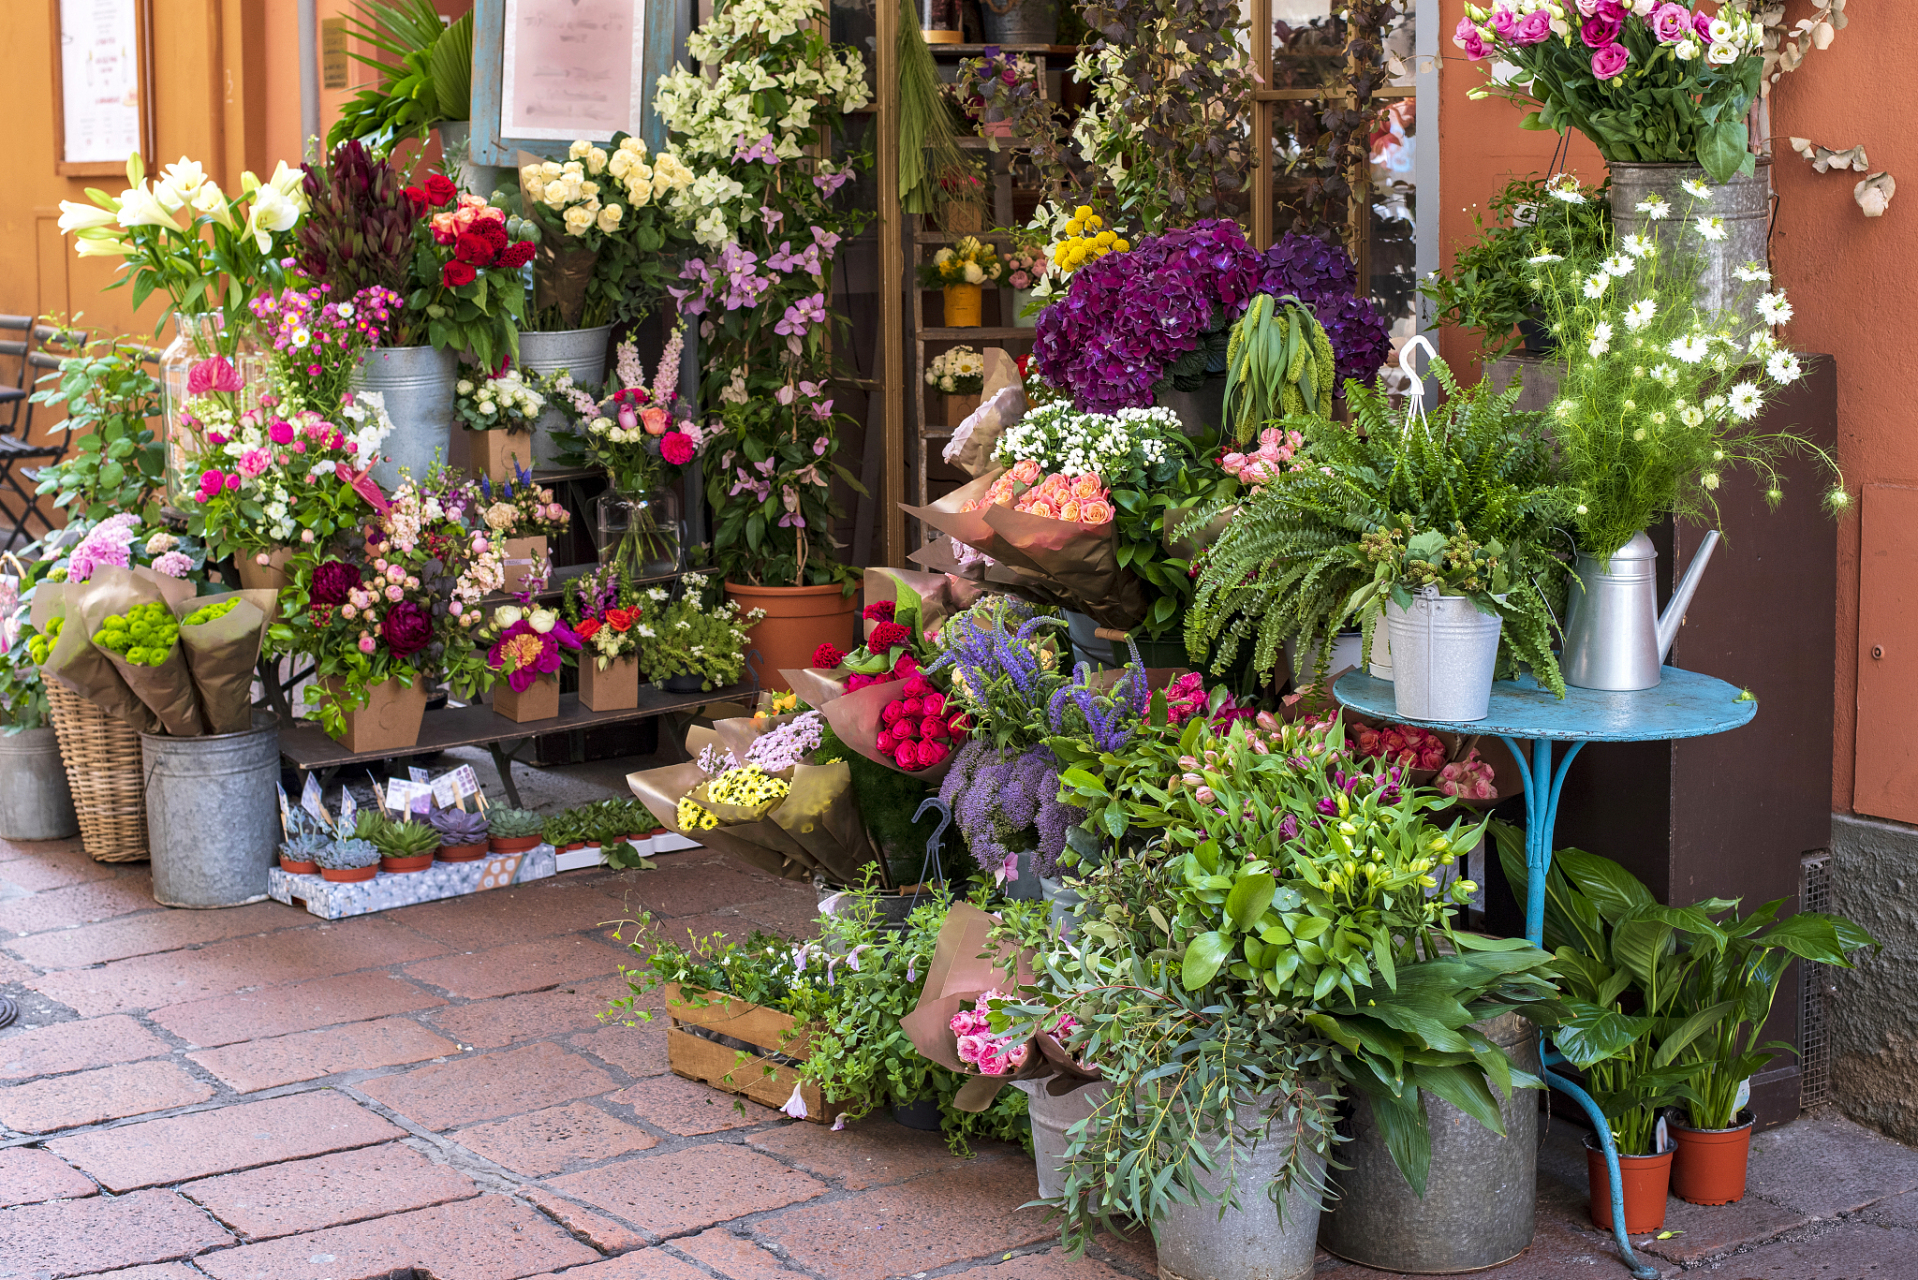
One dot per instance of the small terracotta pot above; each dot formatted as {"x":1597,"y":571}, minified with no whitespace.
{"x":569,"y":848}
{"x":518,"y":844}
{"x":462,"y":852}
{"x":350,"y":876}
{"x":1710,"y":1163}
{"x":418,"y":862}
{"x":1646,"y":1181}
{"x":298,"y":868}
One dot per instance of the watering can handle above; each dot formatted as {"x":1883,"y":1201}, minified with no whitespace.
{"x":1415,"y":390}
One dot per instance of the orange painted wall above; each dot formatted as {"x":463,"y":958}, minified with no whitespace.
{"x":1848,"y":276}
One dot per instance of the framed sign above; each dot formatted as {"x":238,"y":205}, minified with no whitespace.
{"x":102,"y":84}
{"x":546,"y":72}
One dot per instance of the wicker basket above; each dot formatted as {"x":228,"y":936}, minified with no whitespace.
{"x":102,"y":757}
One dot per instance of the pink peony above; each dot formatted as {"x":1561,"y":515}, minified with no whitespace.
{"x":254,"y":462}
{"x":972,"y":1046}
{"x":281,"y":432}
{"x":1609,"y":62}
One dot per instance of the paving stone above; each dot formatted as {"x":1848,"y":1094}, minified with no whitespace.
{"x":151,"y":932}
{"x":1133,"y":1254}
{"x":328,"y":1191}
{"x":488,"y":1085}
{"x":522,"y":966}
{"x":1054,"y":1264}
{"x":488,"y":1238}
{"x":76,"y":1237}
{"x":158,"y":1271}
{"x":308,"y":1055}
{"x":12,"y":850}
{"x":873,"y":1152}
{"x":538,"y":910}
{"x":735,"y":1257}
{"x":688,"y":1108}
{"x":1899,"y":1211}
{"x":302,"y":1006}
{"x":224,"y":1140}
{"x":1826,"y":1166}
{"x":12,"y":970}
{"x":29,"y":1175}
{"x":273,"y":959}
{"x":54,"y":865}
{"x":692,"y":890}
{"x":1709,"y":1231}
{"x":648,"y":1264}
{"x":544,"y":1142}
{"x":1855,"y":1251}
{"x":602,"y":1233}
{"x":930,"y":1222}
{"x":689,"y":1190}
{"x":491,"y":1024}
{"x":88,"y":1097}
{"x":638,"y":1050}
{"x":77,"y":904}
{"x":75,"y":1046}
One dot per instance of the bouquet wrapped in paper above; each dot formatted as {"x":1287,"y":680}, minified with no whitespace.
{"x":99,"y":675}
{"x":130,"y":621}
{"x":752,"y":792}
{"x":220,"y":636}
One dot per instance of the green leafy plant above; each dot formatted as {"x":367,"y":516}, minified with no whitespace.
{"x":425,"y":71}
{"x":1413,"y":561}
{"x":1278,"y":363}
{"x":691,"y":637}
{"x":503,"y":823}
{"x":23,"y":695}
{"x":116,"y":462}
{"x":1294,"y":560}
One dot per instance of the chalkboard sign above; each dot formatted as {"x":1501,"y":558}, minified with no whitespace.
{"x":102,"y":108}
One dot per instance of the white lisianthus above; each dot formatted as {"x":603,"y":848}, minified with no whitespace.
{"x":1712,"y":228}
{"x":1686,"y":50}
{"x":1721,"y":55}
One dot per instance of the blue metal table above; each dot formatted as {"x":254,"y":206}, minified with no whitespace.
{"x":1684,"y":705}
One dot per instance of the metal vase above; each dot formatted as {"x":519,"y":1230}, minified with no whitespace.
{"x":35,"y":803}
{"x":1251,"y":1242}
{"x":1052,"y":1116}
{"x":1615,"y":637}
{"x":1020,"y":21}
{"x":1744,"y":204}
{"x":1443,"y":655}
{"x":416,"y":384}
{"x":213,"y":823}
{"x":1480,"y":1192}
{"x":580,"y":352}
{"x":1198,"y":410}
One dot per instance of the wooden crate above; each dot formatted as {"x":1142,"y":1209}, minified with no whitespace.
{"x":766,"y":1030}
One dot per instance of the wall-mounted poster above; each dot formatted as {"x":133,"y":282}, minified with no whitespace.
{"x":102,"y":101}
{"x":572,"y":68}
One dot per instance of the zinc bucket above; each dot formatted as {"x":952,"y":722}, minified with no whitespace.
{"x":213,"y":821}
{"x":1051,"y":1117}
{"x":35,"y":802}
{"x":582,"y":353}
{"x":1443,"y":654}
{"x":1251,"y":1242}
{"x":416,"y":385}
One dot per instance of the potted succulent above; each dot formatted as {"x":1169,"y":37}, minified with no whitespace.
{"x":404,"y":845}
{"x":513,"y":830}
{"x":299,"y":852}
{"x":347,"y":860}
{"x":462,"y":834}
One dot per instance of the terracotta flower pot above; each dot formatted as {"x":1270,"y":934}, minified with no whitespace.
{"x":255,"y":576}
{"x":462,"y":852}
{"x":350,"y":876}
{"x":1709,"y":1167}
{"x":418,"y":862}
{"x":492,"y":453}
{"x":538,"y":701}
{"x":797,"y":620}
{"x":520,"y":553}
{"x":575,"y":845}
{"x":1646,"y":1180}
{"x":517,"y":844}
{"x":390,"y":720}
{"x":298,"y":868}
{"x":614,"y":689}
{"x":962,"y":306}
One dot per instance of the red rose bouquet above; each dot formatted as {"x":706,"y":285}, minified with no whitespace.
{"x":465,"y":275}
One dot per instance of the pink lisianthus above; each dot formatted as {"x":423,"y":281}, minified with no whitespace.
{"x":1599,"y":32}
{"x":1467,"y":37}
{"x":280,"y":432}
{"x":1672,"y":24}
{"x":1504,"y":22}
{"x":1609,"y":62}
{"x":1534,"y":28}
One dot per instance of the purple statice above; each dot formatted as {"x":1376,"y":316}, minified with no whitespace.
{"x":1007,"y":802}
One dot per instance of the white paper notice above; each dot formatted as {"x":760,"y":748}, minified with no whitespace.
{"x":99,"y":80}
{"x":572,"y":69}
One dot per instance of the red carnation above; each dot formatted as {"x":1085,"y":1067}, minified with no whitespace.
{"x":881,"y":610}
{"x":474,"y":248}
{"x":886,"y":635}
{"x":884,"y":743}
{"x":621,"y":620}
{"x":827,"y":656}
{"x":889,"y":716}
{"x":455,"y":274}
{"x":517,"y":254}
{"x":440,"y":189}
{"x":587,"y":629}
{"x":935,"y":704}
{"x":676,"y":447}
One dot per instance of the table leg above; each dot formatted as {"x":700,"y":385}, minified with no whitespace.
{"x":503,"y":761}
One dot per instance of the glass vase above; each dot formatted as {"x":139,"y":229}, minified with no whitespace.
{"x":640,"y":531}
{"x":196,"y":337}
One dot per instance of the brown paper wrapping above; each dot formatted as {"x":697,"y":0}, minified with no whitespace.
{"x":814,"y":830}
{"x":940,"y":594}
{"x":975,"y":438}
{"x":966,"y":963}
{"x":76,"y":664}
{"x":221,"y":655}
{"x":816,"y":686}
{"x":855,"y":718}
{"x":168,"y":688}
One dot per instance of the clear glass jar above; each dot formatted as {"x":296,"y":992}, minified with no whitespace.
{"x":641,"y":531}
{"x":197,"y":337}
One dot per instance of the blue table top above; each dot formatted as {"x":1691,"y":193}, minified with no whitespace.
{"x":1684,"y":705}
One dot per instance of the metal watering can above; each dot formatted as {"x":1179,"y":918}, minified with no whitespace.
{"x":1615,"y":637}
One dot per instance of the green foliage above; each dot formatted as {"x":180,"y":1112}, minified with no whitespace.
{"x":116,"y":462}
{"x":514,"y":824}
{"x":1294,"y":560}
{"x":1488,"y":288}
{"x":23,"y":695}
{"x":693,"y":637}
{"x":425,"y":73}
{"x":888,"y":799}
{"x":750,"y":542}
{"x":1279,"y":363}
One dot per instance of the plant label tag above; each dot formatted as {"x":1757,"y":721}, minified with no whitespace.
{"x":445,"y":791}
{"x":286,"y":813}
{"x":1661,"y":1139}
{"x":1743,"y":1099}
{"x":310,"y":801}
{"x":416,"y":773}
{"x":467,"y":781}
{"x":349,"y":807}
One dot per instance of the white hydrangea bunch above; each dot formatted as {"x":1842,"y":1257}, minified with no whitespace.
{"x":1116,"y":446}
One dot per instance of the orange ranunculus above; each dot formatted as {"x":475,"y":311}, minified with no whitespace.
{"x":587,"y":628}
{"x":1097,"y":511}
{"x":621,"y":619}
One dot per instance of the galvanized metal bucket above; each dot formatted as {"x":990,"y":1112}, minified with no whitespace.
{"x":582,"y":353}
{"x":1251,"y":1242}
{"x":1443,"y":654}
{"x":1063,"y":904}
{"x":1744,"y":205}
{"x":1020,"y":21}
{"x":1051,"y":1118}
{"x":35,"y":803}
{"x":416,"y":384}
{"x":1479,"y":1194}
{"x":1347,"y":647}
{"x":213,"y":820}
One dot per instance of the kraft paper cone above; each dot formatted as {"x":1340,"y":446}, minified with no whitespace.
{"x":855,"y":718}
{"x":221,"y":655}
{"x":974,"y":439}
{"x":76,"y":664}
{"x":941,"y":594}
{"x":168,"y":688}
{"x":815,"y":686}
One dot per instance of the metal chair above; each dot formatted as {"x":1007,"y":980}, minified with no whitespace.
{"x":48,"y":346}
{"x":14,"y":390}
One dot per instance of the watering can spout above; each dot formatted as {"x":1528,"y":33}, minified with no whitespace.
{"x":1668,"y":621}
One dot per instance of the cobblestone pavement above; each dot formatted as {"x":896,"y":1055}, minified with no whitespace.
{"x":428,"y":1094}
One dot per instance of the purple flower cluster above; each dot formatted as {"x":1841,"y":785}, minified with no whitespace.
{"x":997,"y":796}
{"x":1106,"y":717}
{"x":1129,"y":318}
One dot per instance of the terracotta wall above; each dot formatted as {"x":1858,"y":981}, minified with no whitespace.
{"x":1848,"y":276}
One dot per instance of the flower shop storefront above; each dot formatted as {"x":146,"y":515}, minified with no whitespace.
{"x":1302,"y":736}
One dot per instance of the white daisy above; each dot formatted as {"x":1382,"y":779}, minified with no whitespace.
{"x":1640,"y":314}
{"x":1711,"y":228}
{"x":1751,"y":273}
{"x":1691,"y":350}
{"x":1745,"y":401}
{"x":1696,"y":189}
{"x":1596,"y":284}
{"x":1639,"y":245}
{"x":1564,"y":187}
{"x":1617,"y":265}
{"x":1601,"y":339}
{"x":1774,"y":308}
{"x":1784,"y":367}
{"x":1654,"y":209}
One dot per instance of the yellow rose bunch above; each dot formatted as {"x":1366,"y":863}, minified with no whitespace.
{"x":1086,"y":239}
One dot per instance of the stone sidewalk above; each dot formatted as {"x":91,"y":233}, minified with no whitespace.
{"x":253,"y":1094}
